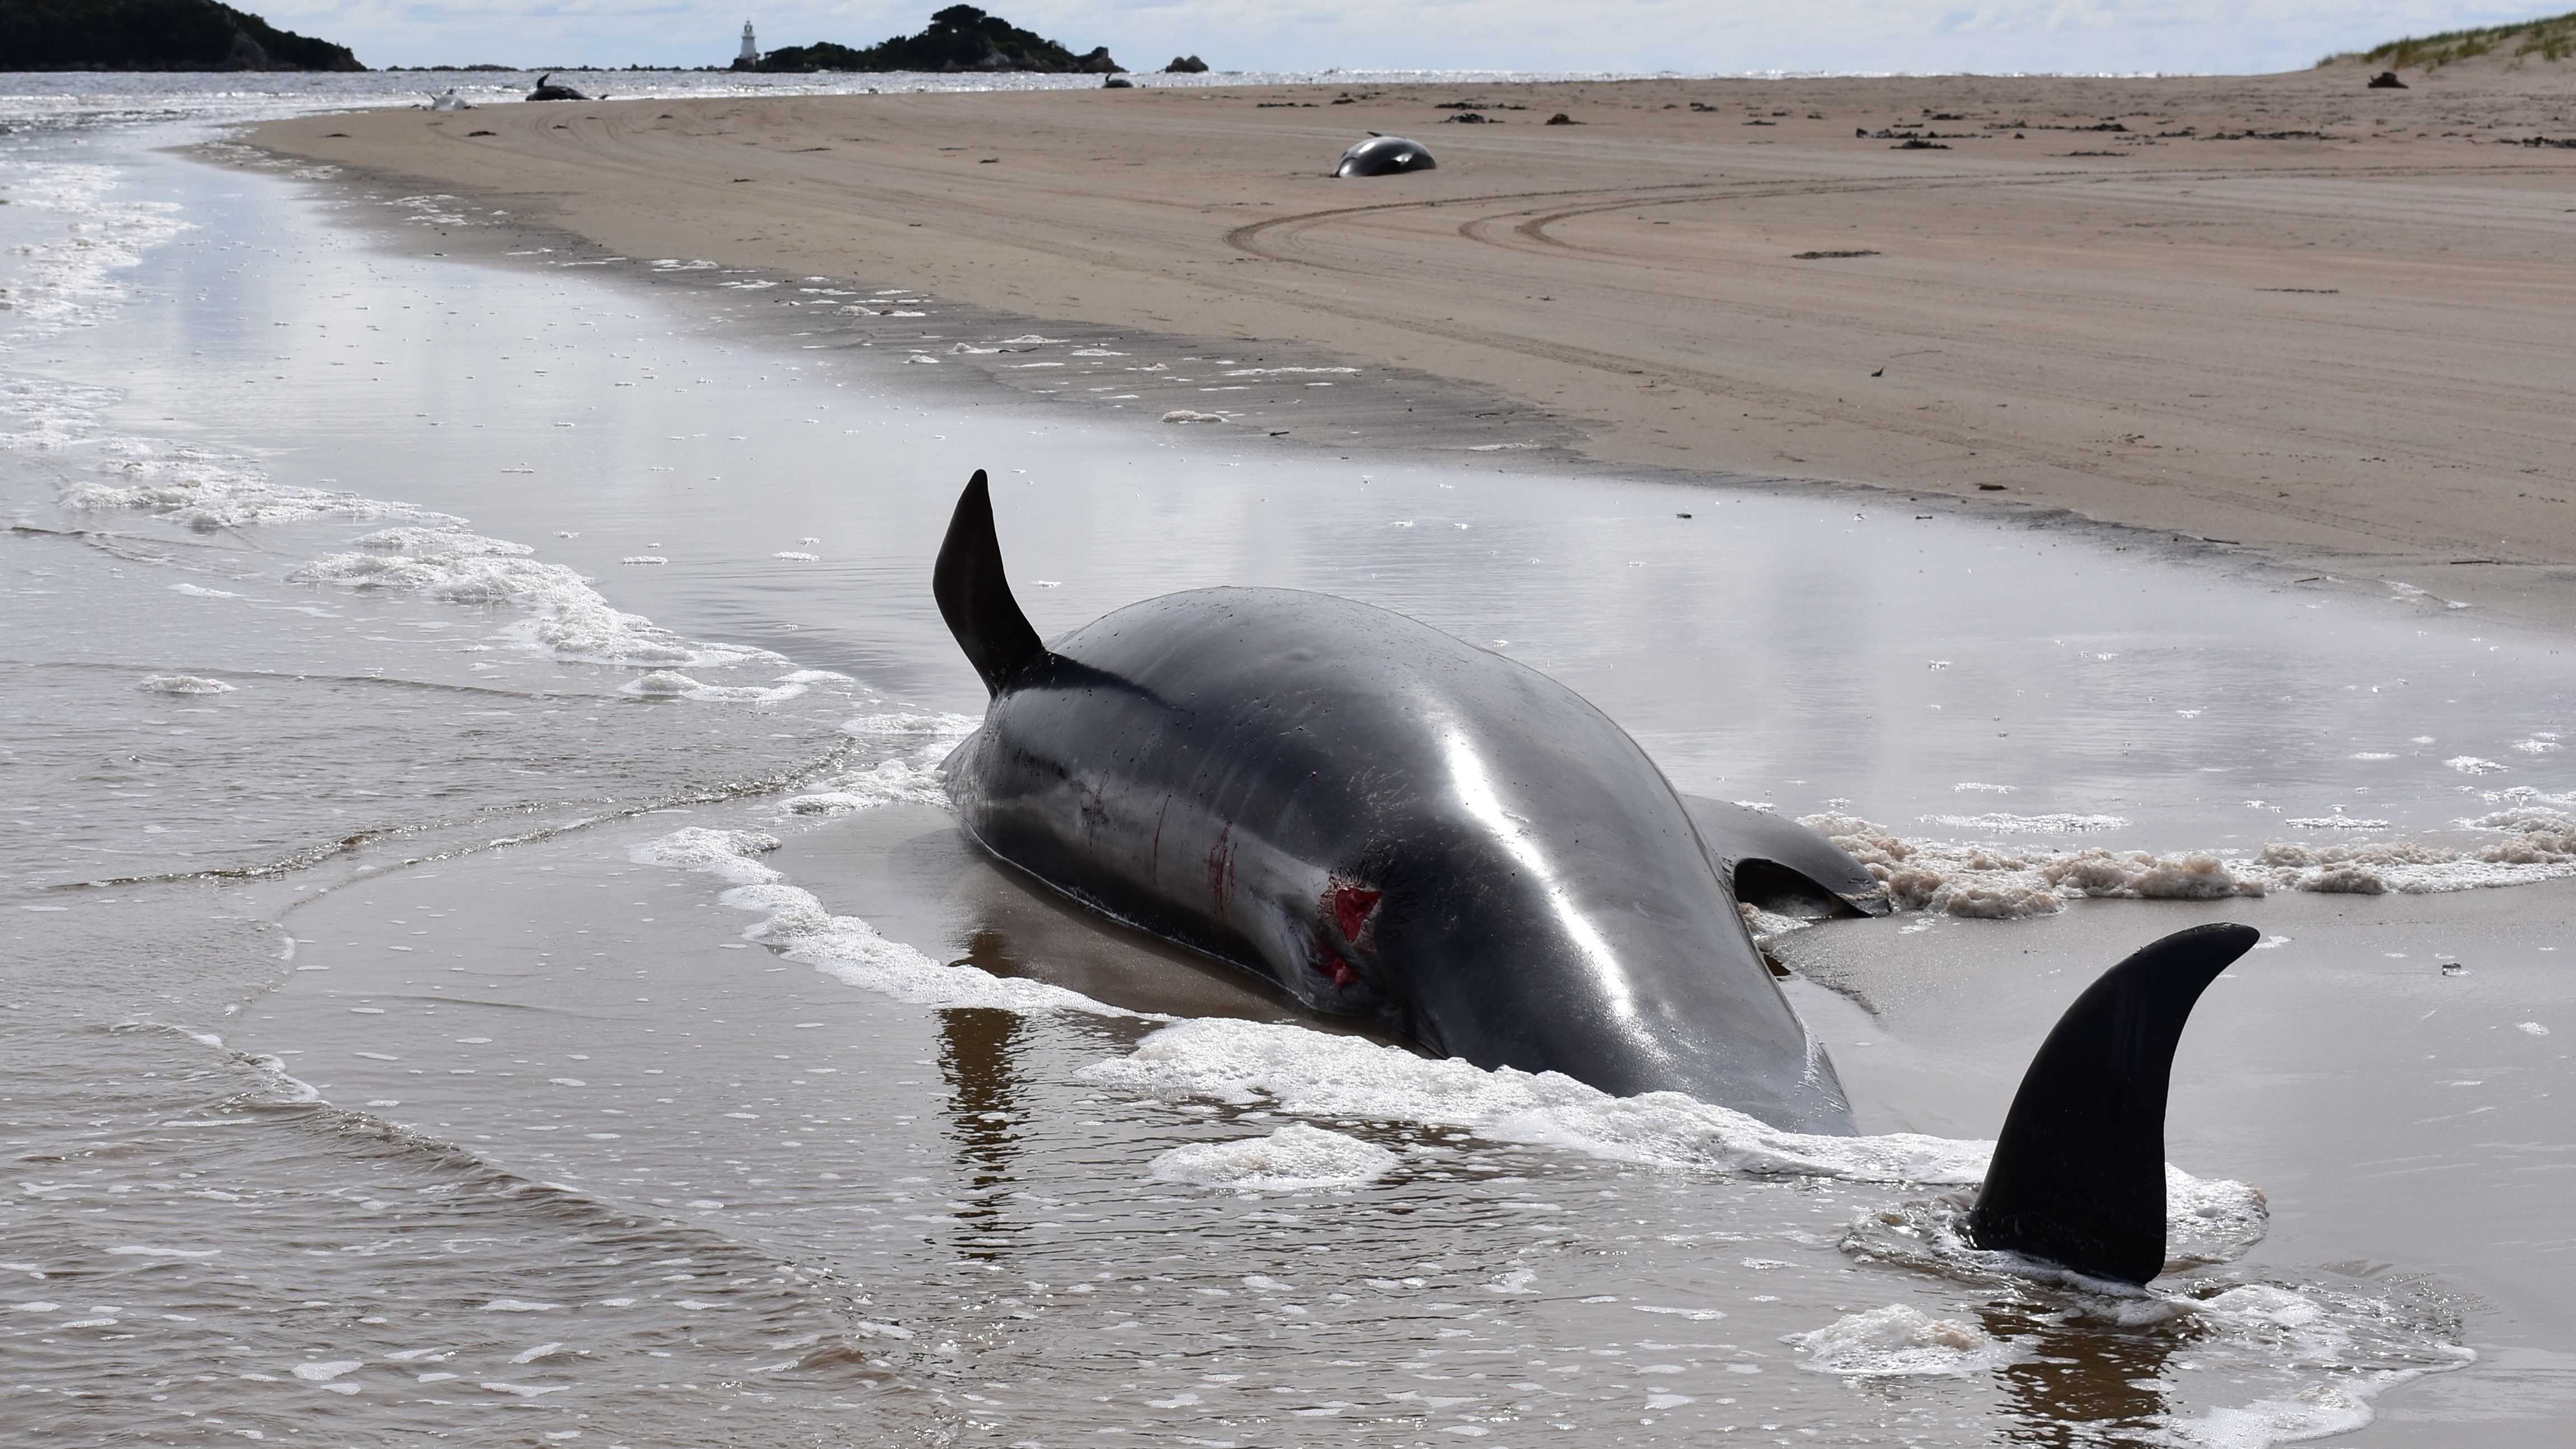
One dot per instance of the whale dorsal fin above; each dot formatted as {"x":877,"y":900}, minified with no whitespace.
{"x":2078,"y":1176}
{"x":975,"y":596}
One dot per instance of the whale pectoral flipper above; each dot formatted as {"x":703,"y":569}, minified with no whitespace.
{"x":1782,"y":866}
{"x":2078,"y":1175}
{"x":975,"y":595}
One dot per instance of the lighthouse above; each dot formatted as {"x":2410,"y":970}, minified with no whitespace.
{"x":750,"y":55}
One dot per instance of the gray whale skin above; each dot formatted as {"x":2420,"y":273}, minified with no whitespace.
{"x":1388,"y":823}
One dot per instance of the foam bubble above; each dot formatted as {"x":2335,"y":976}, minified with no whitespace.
{"x":206,"y":490}
{"x":2358,"y":1342}
{"x":416,"y":540}
{"x":429,"y":552}
{"x":724,"y":853}
{"x":1295,"y":1158}
{"x":942,"y":726}
{"x":892,"y":783}
{"x":182,"y":684}
{"x":794,"y":923}
{"x":671,"y":684}
{"x":1997,"y":882}
{"x":1312,"y":1073}
{"x":570,"y":618}
{"x":2361,"y":1345}
{"x":2001,"y":823}
{"x":1899,"y":1340}
{"x":71,"y":281}
{"x":2533,"y":843}
{"x":2318,"y":1411}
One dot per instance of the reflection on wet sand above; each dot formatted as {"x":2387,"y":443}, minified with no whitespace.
{"x":986,"y":1093}
{"x":1010,"y":926}
{"x":2081,"y":1382}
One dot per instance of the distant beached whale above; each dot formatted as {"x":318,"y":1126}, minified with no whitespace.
{"x":1385,"y":156}
{"x":1389,"y":823}
{"x":547,"y":90}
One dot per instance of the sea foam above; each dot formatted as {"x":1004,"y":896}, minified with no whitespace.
{"x":797,"y":925}
{"x":567,"y":617}
{"x":1994,"y":881}
{"x":1295,"y":1158}
{"x":1900,"y":1340}
{"x":71,"y":282}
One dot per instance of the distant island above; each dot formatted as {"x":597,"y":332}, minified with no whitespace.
{"x":154,"y":35}
{"x":960,"y":38}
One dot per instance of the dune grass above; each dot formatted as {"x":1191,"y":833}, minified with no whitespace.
{"x":2553,"y":38}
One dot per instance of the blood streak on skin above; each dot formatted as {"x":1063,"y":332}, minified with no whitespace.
{"x":1220,"y":869}
{"x":1349,"y":906}
{"x":1352,"y":905}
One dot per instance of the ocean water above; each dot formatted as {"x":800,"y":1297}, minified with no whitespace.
{"x":488,"y":957}
{"x":51,"y":100}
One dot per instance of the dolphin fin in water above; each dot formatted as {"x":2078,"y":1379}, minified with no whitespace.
{"x":974,"y":593}
{"x":2078,"y":1176}
{"x":1782,"y":866}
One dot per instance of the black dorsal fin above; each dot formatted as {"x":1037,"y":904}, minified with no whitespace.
{"x":2078,"y":1176}
{"x":974,"y":595}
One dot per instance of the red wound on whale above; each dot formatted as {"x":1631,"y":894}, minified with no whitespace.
{"x":1352,"y":905}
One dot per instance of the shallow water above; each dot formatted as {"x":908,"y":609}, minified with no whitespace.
{"x":374,"y":1067}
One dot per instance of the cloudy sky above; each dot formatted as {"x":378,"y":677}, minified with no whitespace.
{"x":1695,"y":36}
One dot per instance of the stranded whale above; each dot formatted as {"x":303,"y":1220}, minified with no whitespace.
{"x":1389,"y":823}
{"x":1384,"y":156}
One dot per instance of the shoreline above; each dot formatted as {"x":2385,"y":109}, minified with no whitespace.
{"x":2284,"y":452}
{"x":1409,"y":416}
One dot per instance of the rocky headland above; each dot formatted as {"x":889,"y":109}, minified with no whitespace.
{"x":959,"y":38}
{"x":154,"y":35}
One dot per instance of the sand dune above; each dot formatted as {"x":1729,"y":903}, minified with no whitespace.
{"x":2282,"y":312}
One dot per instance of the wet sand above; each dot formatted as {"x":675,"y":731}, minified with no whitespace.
{"x":2280,"y":313}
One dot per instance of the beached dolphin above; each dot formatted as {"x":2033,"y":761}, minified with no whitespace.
{"x":1389,"y":823}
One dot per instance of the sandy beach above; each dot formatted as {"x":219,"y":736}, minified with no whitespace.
{"x":2286,"y":313}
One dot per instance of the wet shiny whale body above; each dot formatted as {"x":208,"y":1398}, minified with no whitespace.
{"x":1387,"y":822}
